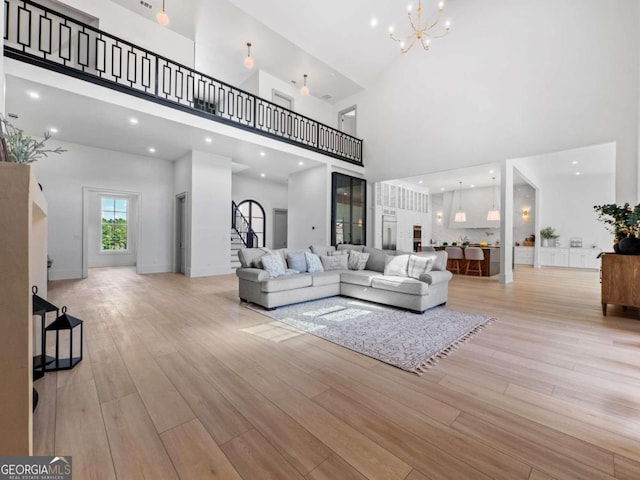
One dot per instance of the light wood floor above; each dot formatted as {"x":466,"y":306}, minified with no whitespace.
{"x":172,"y":387}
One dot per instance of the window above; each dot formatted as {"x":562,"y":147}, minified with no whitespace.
{"x":254,"y":215}
{"x":348,"y":210}
{"x":114,"y":231}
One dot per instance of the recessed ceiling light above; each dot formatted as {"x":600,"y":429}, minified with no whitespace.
{"x":53,"y":130}
{"x":262,"y":154}
{"x":492,"y":172}
{"x":373,"y":22}
{"x":208,"y":139}
{"x":151,"y":150}
{"x":577,"y":173}
{"x":442,"y":189}
{"x":34,"y":95}
{"x":133,"y":121}
{"x":472,"y":185}
{"x":575,"y":162}
{"x":420,"y":182}
{"x":301,"y":163}
{"x":263,"y":175}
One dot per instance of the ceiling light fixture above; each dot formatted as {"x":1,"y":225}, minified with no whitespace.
{"x":262,"y":154}
{"x":152,"y":150}
{"x":53,"y":130}
{"x":301,"y":163}
{"x":133,"y":121}
{"x":461,"y":216}
{"x":208,"y":139}
{"x":423,"y":32}
{"x":248,"y":61}
{"x":305,"y":90}
{"x":162,"y":17}
{"x":34,"y":95}
{"x":494,"y":214}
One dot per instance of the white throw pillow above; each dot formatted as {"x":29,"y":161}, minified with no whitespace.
{"x":273,"y":264}
{"x":396,"y":266}
{"x":419,"y":265}
{"x":335,"y":262}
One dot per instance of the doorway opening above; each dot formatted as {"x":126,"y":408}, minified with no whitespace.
{"x":347,"y":121}
{"x":181,"y":234}
{"x":280,"y":228}
{"x":110,"y":229}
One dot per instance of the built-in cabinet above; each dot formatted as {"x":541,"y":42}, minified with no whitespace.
{"x":23,"y":261}
{"x":523,"y":255}
{"x":570,"y":257}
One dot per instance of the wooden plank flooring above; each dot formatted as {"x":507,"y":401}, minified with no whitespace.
{"x":180,"y":380}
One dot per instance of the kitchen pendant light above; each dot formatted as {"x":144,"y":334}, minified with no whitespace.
{"x":494,"y":214}
{"x":461,"y":216}
{"x":305,"y":90}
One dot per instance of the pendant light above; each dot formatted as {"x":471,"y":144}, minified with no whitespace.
{"x":494,"y":214}
{"x":248,"y":61}
{"x":305,"y":90}
{"x":461,"y":216}
{"x":162,"y":17}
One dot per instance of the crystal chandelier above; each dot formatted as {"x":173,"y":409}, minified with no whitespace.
{"x":423,"y":31}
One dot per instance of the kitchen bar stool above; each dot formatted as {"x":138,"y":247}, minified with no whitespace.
{"x":454,"y":259}
{"x":474,"y":257}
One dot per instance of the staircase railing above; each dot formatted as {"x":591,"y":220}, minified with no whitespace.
{"x":242,"y":227}
{"x":43,"y":37}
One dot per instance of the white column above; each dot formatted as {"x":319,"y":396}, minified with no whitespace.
{"x":210,"y":215}
{"x":309,"y":211}
{"x":506,"y":225}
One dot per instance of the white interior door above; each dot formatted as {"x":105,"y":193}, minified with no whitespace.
{"x":280,"y":232}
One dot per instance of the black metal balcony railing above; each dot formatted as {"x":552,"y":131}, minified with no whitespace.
{"x":41,"y":36}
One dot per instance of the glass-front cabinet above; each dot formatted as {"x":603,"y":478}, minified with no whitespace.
{"x":348,"y":209}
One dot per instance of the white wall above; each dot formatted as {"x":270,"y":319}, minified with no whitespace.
{"x":270,"y":195}
{"x":63,"y":178}
{"x":519,"y":82}
{"x":134,"y":28}
{"x":525,"y":196}
{"x":308,"y":105}
{"x":309,"y":208}
{"x":210,"y":218}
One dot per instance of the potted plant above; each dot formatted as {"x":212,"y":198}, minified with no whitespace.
{"x":624,"y":222}
{"x":20,"y":148}
{"x":547,"y":234}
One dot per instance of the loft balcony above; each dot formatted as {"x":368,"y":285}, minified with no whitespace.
{"x":52,"y":40}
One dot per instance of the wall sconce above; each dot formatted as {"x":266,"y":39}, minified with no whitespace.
{"x":525,"y":214}
{"x":439,"y":217}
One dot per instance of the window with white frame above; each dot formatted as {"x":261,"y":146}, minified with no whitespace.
{"x":114,"y":230}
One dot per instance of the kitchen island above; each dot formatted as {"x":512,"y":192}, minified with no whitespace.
{"x":491,"y":263}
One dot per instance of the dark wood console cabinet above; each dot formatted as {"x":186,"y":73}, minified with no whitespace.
{"x":620,"y":278}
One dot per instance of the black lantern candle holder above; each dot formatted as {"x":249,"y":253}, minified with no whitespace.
{"x":64,"y":322}
{"x":40,"y":308}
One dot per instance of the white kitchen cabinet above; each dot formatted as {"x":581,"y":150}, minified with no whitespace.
{"x":584,"y":258}
{"x":523,"y":255}
{"x":554,"y":257}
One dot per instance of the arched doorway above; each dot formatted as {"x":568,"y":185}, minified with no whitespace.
{"x":254,"y":213}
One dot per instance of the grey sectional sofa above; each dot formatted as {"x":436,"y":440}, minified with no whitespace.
{"x":257,"y":286}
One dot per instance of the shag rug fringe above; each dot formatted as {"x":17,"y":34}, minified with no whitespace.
{"x":445,"y":352}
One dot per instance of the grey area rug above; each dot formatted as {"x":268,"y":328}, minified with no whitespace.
{"x":407,"y":340}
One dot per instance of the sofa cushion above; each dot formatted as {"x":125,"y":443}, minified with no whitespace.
{"x":249,"y":257}
{"x":349,"y":247}
{"x":325,"y":278}
{"x":273,"y":264}
{"x":335,"y":262}
{"x":359,"y":277}
{"x":406,"y":285}
{"x":376,"y":259}
{"x":338,"y":252}
{"x":286,"y":282}
{"x":297,"y":261}
{"x":357,"y":260}
{"x":313,"y":262}
{"x":322,"y":249}
{"x":396,"y":266}
{"x":419,"y":265}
